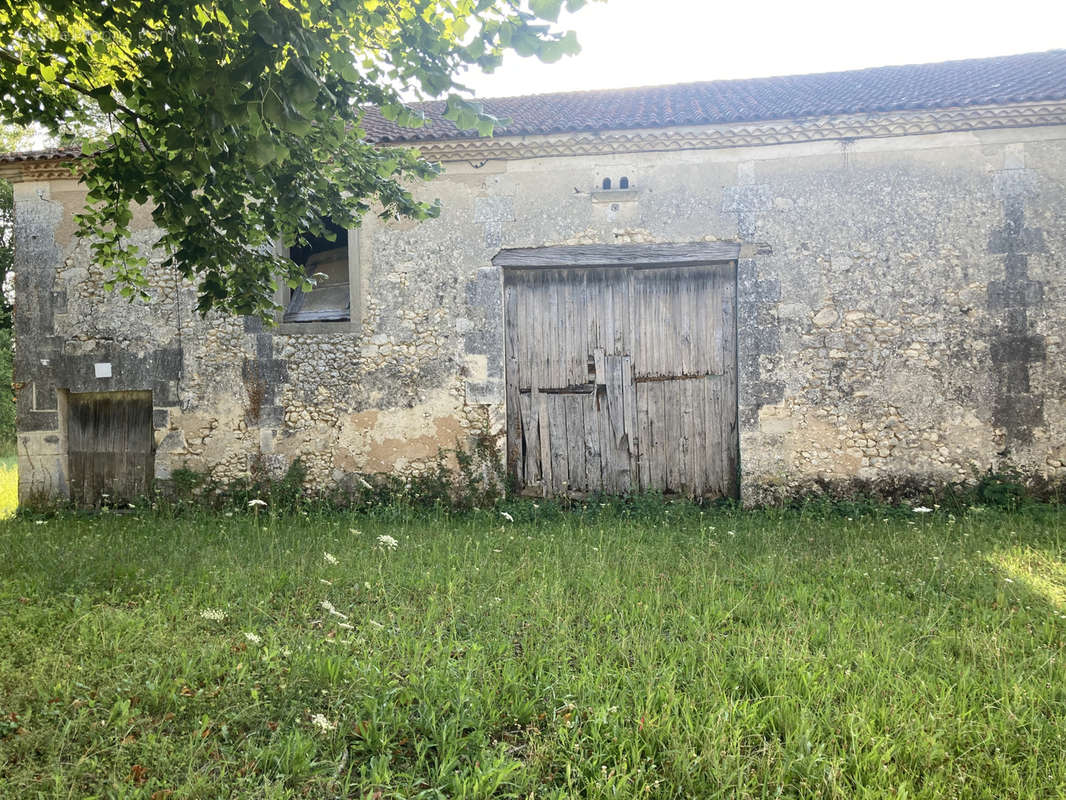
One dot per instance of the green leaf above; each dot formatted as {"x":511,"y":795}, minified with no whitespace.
{"x":475,"y":50}
{"x":551,"y":52}
{"x":386,"y":167}
{"x":104,"y":100}
{"x":273,"y":108}
{"x":295,"y":124}
{"x":466,"y":120}
{"x":526,"y":43}
{"x":546,"y":9}
{"x":262,"y":151}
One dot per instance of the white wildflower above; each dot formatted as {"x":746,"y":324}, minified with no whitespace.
{"x":921,"y":510}
{"x":322,"y":723}
{"x":355,"y":532}
{"x":328,"y":606}
{"x":256,"y":502}
{"x":506,"y":516}
{"x":40,"y":522}
{"x":252,"y":637}
{"x":387,"y":542}
{"x":214,"y":614}
{"x":330,"y":558}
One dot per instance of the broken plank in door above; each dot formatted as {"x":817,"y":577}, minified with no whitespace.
{"x":575,"y":441}
{"x":629,"y":418}
{"x":530,"y":474}
{"x":593,"y":468}
{"x":513,"y":375}
{"x":541,"y":404}
{"x":616,"y":455}
{"x":558,"y":441}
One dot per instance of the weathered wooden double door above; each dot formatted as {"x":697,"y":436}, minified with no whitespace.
{"x":622,"y":379}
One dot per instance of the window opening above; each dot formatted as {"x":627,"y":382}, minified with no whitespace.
{"x":325,"y":262}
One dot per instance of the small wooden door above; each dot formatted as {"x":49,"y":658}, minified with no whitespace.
{"x":622,"y":378}
{"x":110,"y":446}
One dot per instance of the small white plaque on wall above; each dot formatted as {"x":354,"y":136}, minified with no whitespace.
{"x":103,"y":369}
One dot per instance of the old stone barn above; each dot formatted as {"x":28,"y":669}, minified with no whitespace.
{"x":734,"y":288}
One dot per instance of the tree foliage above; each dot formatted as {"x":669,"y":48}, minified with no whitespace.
{"x":7,"y":250}
{"x":240,"y":119}
{"x":10,"y":139}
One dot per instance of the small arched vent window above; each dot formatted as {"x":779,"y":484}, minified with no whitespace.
{"x":623,"y":182}
{"x":606,"y":183}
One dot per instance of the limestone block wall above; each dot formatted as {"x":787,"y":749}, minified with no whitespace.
{"x":900,"y":314}
{"x":914,"y":312}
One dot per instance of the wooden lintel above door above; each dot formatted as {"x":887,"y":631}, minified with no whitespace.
{"x":636,"y":256}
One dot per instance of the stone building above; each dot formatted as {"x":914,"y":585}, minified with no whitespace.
{"x":737,"y":287}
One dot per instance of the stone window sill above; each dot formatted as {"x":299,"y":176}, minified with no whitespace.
{"x":614,"y":195}
{"x":312,"y":328}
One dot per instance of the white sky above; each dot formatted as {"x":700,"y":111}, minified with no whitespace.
{"x":648,"y":42}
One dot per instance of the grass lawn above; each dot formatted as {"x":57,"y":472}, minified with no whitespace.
{"x":9,"y":486}
{"x":652,"y":653}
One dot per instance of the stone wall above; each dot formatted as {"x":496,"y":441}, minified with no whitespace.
{"x":915,"y":308}
{"x":901,"y":315}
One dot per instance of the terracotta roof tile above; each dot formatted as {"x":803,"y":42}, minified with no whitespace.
{"x":1030,"y":77}
{"x":986,"y":81}
{"x":47,"y":154}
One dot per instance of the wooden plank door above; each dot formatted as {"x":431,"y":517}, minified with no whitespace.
{"x":622,"y":378}
{"x":110,"y":446}
{"x":685,"y":370}
{"x":555,"y":440}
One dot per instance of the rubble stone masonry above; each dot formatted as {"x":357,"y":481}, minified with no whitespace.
{"x":901,"y":313}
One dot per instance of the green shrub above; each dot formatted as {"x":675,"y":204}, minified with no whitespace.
{"x":477,"y":481}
